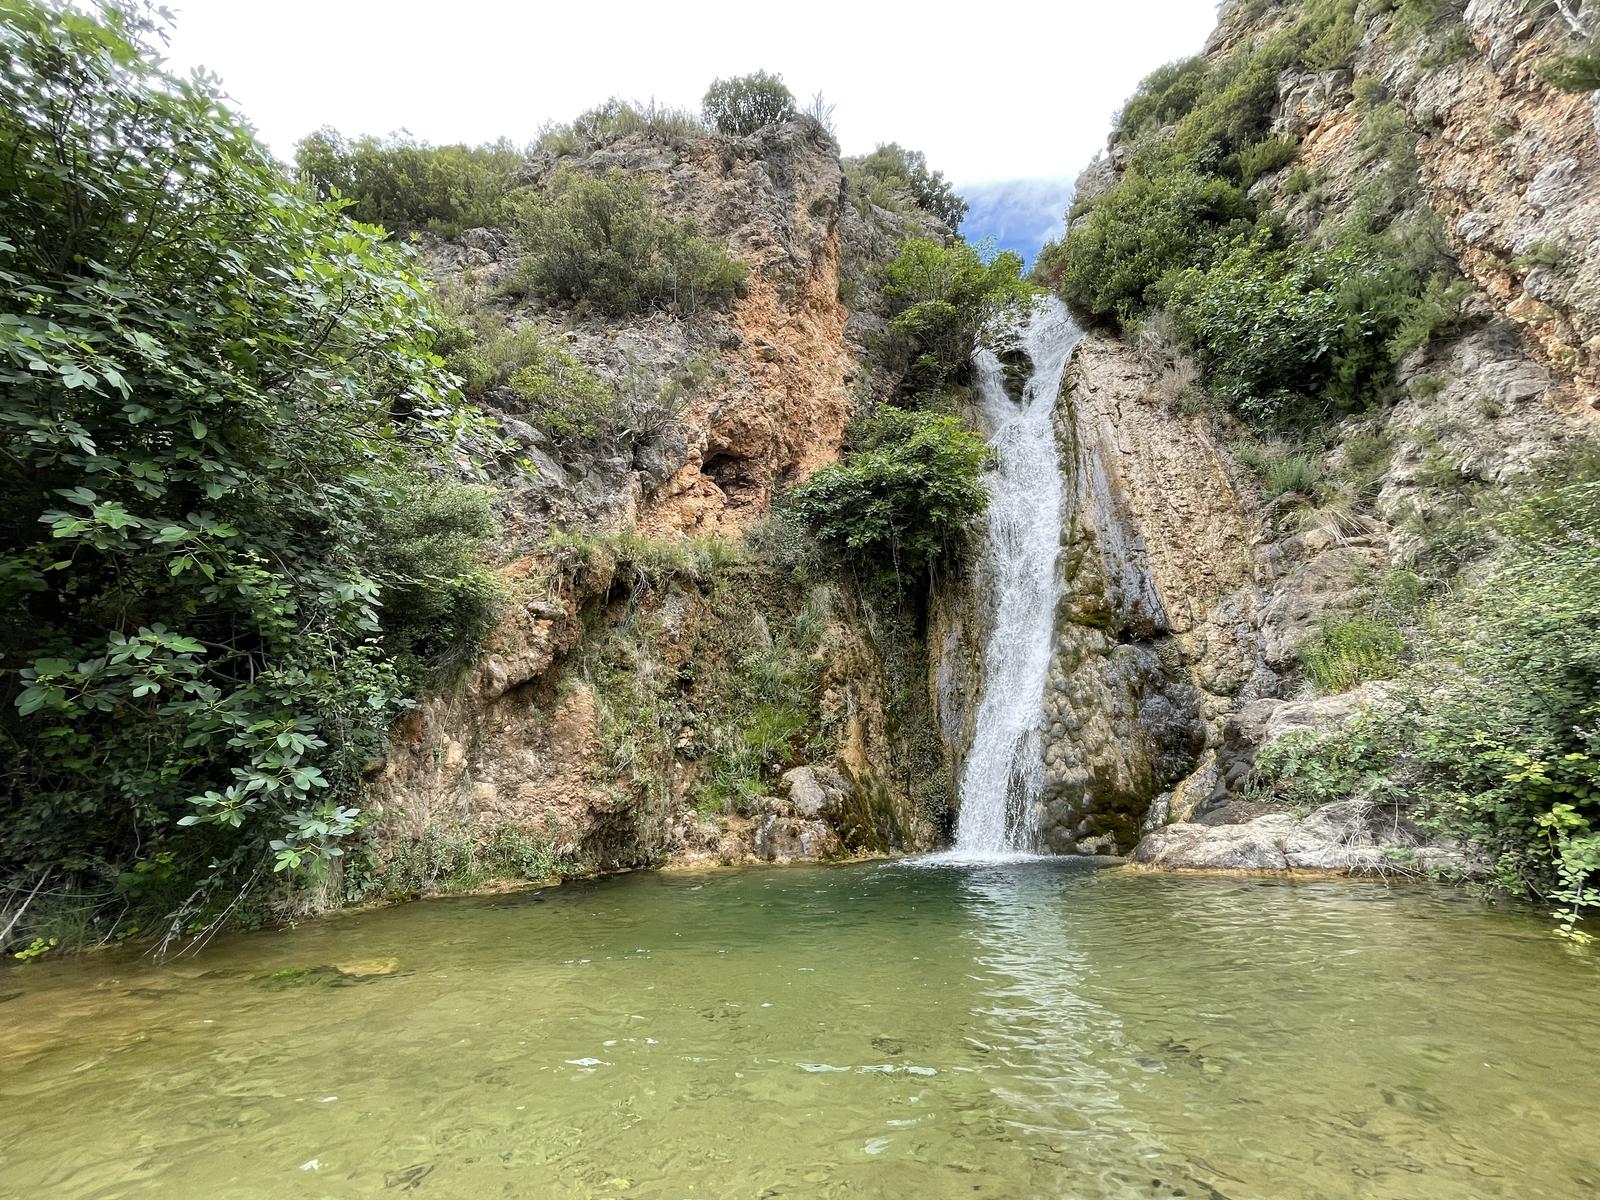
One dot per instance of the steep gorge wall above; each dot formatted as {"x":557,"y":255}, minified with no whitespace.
{"x":1189,"y":595}
{"x":579,"y":721}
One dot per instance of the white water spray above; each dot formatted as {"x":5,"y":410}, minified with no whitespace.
{"x":1004,"y":770}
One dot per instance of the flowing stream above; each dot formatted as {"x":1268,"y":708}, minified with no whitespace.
{"x":1004,"y":768}
{"x":855,"y":1032}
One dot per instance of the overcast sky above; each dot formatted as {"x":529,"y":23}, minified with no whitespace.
{"x":1008,"y":89}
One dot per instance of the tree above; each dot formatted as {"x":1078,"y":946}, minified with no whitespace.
{"x":744,"y":104}
{"x":904,"y":497}
{"x":943,"y":297}
{"x":892,"y":168}
{"x":217,"y":400}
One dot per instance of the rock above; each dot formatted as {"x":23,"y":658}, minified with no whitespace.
{"x":1473,"y":227}
{"x":1551,"y":182}
{"x":1348,"y":835}
{"x":818,"y":792}
{"x":789,"y":839}
{"x":1266,"y":720}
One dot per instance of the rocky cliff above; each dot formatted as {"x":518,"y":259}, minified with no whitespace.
{"x":1193,"y":590}
{"x":653,"y":677}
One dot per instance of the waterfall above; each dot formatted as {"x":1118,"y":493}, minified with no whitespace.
{"x":1004,"y":768}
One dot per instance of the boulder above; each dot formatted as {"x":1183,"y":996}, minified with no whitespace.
{"x":817,"y":792}
{"x":786,"y":839}
{"x":1347,"y":835}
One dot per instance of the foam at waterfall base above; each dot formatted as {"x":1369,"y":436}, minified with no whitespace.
{"x":1004,"y":858}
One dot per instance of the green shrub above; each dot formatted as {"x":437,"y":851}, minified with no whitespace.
{"x":579,"y":413}
{"x":1344,"y":653}
{"x":1296,"y":473}
{"x":1268,"y":324}
{"x":905,"y":495}
{"x":1544,"y":253}
{"x":744,"y":104}
{"x":1299,"y":182}
{"x":451,"y":859}
{"x":1575,"y":71}
{"x":404,"y":185}
{"x":942,"y":298}
{"x":601,"y":240}
{"x":1290,"y":335}
{"x":618,"y":118}
{"x":570,"y":403}
{"x":1265,"y":157}
{"x":226,"y":432}
{"x":1137,"y":232}
{"x":1164,"y":96}
{"x":1334,"y":47}
{"x":891,"y":171}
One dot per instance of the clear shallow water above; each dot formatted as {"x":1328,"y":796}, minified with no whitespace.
{"x":1012,"y":1030}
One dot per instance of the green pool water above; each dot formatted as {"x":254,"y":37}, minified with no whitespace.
{"x":887,"y":1030}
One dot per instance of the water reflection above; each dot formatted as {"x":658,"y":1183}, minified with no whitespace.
{"x":938,"y":1031}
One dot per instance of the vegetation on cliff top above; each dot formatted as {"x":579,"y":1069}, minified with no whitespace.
{"x":230,"y":553}
{"x":1289,"y":330}
{"x":1298,"y":314}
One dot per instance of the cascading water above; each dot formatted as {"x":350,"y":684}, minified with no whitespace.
{"x":1004,"y":768}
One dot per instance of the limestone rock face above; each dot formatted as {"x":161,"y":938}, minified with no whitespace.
{"x":1234,"y":585}
{"x":1349,"y":835}
{"x":1155,"y":538}
{"x":521,"y":740}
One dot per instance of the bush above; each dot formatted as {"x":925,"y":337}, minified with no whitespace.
{"x":1344,"y":653}
{"x":1137,"y":232}
{"x":1268,"y":324}
{"x":569,"y":403}
{"x":1167,"y":94}
{"x":580,"y":414}
{"x":905,"y":495}
{"x":744,"y":104}
{"x":891,"y":171}
{"x":1291,"y":335}
{"x":219,"y":403}
{"x":1296,"y":474}
{"x":942,"y":298}
{"x":1493,"y":732}
{"x":1266,"y":157}
{"x":452,"y":859}
{"x":617,"y":119}
{"x":1335,"y":45}
{"x":1575,"y":71}
{"x":601,"y":240}
{"x":405,"y":185}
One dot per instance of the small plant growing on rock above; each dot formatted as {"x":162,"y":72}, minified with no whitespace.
{"x":1345,"y":653}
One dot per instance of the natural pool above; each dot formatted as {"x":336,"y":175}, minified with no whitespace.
{"x":886,"y":1030}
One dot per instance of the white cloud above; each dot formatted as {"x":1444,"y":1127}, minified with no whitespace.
{"x":1019,"y":214}
{"x":1007,"y":89}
